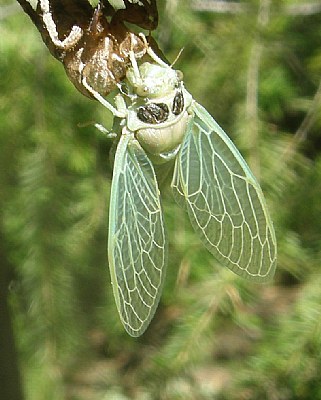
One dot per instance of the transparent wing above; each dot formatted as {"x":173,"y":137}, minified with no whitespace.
{"x":223,"y":199}
{"x":136,"y":246}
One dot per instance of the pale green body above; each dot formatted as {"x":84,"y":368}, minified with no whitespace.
{"x":211,"y":181}
{"x":162,"y":141}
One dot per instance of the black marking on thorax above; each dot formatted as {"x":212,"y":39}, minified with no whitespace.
{"x":156,"y":113}
{"x":153,"y":113}
{"x":178,"y":103}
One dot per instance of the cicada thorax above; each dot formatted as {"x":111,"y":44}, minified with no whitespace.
{"x":158,"y":112}
{"x":160,"y":124}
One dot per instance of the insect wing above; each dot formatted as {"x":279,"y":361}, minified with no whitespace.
{"x":137,"y":247}
{"x":224,"y":200}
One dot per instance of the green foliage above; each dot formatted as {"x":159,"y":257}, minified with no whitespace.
{"x":214,"y":335}
{"x":287,"y":364}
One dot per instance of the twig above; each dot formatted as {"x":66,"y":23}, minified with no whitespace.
{"x":305,"y":126}
{"x":252,"y":89}
{"x":303,"y":9}
{"x":216,"y":6}
{"x":27,"y":8}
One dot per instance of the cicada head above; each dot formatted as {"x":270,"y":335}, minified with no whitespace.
{"x":153,"y":80}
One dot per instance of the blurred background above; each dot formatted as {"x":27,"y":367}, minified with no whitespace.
{"x":256,"y":66}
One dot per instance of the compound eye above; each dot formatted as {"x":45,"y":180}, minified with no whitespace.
{"x":180,"y":75}
{"x":153,"y":113}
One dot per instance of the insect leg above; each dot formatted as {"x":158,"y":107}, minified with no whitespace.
{"x":70,"y":41}
{"x":106,"y":132}
{"x":134,"y":63}
{"x":104,"y":102}
{"x":151,"y":52}
{"x":100,"y":127}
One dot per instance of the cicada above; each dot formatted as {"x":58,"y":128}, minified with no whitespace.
{"x":158,"y":122}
